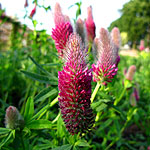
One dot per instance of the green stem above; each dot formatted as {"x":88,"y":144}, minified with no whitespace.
{"x":122,"y":94}
{"x":54,"y":101}
{"x":95,"y":91}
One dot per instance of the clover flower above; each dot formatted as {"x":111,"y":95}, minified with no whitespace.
{"x":74,"y":83}
{"x":62,"y":29}
{"x":33,"y":11}
{"x":13,"y":118}
{"x":80,"y":29}
{"x":116,"y":38}
{"x":105,"y":69}
{"x":130,"y":72}
{"x":90,"y":25}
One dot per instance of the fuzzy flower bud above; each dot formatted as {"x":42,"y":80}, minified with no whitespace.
{"x":130,"y":72}
{"x":13,"y":118}
{"x":116,"y":38}
{"x":80,"y":29}
{"x":58,"y":15}
{"x":74,"y":83}
{"x":61,"y":34}
{"x":33,"y":11}
{"x":26,"y":3}
{"x":142,"y":47}
{"x":90,"y":25}
{"x":105,"y":69}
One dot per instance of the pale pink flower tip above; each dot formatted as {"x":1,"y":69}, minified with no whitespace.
{"x":106,"y":68}
{"x":130,"y":72}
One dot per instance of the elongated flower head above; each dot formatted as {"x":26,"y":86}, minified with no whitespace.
{"x":142,"y":47}
{"x":115,"y":34}
{"x":130,"y":72}
{"x":105,"y":69}
{"x":58,"y":15}
{"x":13,"y":118}
{"x":33,"y":11}
{"x":61,"y":34}
{"x":80,"y":29}
{"x":116,"y":38}
{"x":90,"y":25}
{"x":26,"y":3}
{"x":74,"y":83}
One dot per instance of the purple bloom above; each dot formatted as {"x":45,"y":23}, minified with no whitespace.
{"x":74,"y":83}
{"x":61,"y":34}
{"x":105,"y":69}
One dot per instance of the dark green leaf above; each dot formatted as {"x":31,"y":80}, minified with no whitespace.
{"x":45,"y":93}
{"x":37,"y":77}
{"x":4,"y":130}
{"x":63,"y":147}
{"x":7,"y":139}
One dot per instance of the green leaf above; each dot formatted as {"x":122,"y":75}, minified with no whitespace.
{"x":41,"y":111}
{"x":4,"y":130}
{"x":42,"y":146}
{"x":105,"y":124}
{"x":37,"y":77}
{"x":63,"y":147}
{"x":101,"y":107}
{"x":42,"y":69}
{"x":39,"y":124}
{"x":45,"y":93}
{"x":29,"y":109}
{"x":82,"y":143}
{"x":7,"y":139}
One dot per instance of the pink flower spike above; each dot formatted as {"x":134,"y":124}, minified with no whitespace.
{"x":130,"y":72}
{"x":90,"y":25}
{"x":26,"y":3}
{"x":115,"y":34}
{"x":61,"y":34}
{"x":106,"y":68}
{"x":58,"y":15}
{"x":74,"y":83}
{"x":80,"y":29}
{"x":33,"y":11}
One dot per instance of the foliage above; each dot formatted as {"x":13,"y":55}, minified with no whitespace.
{"x":134,"y":20}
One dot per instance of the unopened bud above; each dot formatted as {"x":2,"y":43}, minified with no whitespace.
{"x":130,"y":73}
{"x":13,"y":118}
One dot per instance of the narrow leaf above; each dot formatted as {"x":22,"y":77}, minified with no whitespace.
{"x":7,"y":139}
{"x":29,"y":109}
{"x":63,"y":147}
{"x":45,"y":93}
{"x":39,"y":124}
{"x":4,"y":130}
{"x":37,"y":77}
{"x":82,"y":143}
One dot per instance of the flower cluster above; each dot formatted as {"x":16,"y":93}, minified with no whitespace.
{"x":107,"y":57}
{"x":74,"y":83}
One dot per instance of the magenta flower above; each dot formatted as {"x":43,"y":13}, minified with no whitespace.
{"x":105,"y":69}
{"x":90,"y":25}
{"x":62,"y":29}
{"x":130,"y":73}
{"x":26,"y":3}
{"x":33,"y":11}
{"x":74,"y":83}
{"x":61,"y":34}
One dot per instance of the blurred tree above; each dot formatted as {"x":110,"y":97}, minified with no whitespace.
{"x":135,"y":20}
